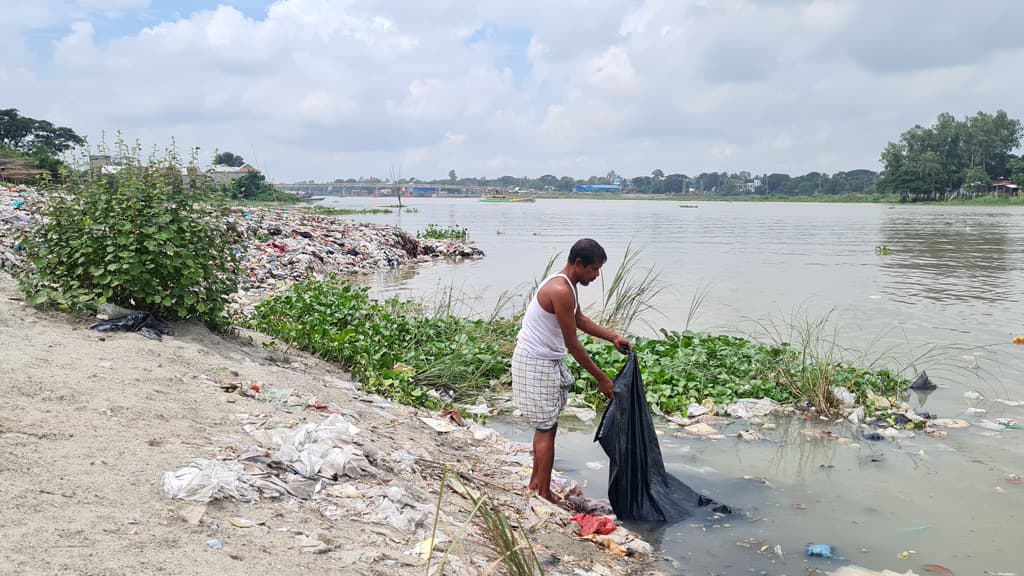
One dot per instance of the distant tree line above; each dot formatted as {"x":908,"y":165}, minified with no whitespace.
{"x":949,"y":159}
{"x":705,"y":183}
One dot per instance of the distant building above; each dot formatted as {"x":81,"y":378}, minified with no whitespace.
{"x":1004,"y":188}
{"x":223,"y":174}
{"x":597,"y":188}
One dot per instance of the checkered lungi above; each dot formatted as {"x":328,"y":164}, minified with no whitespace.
{"x":540,"y":388}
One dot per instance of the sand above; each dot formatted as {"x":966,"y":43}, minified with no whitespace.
{"x":90,"y":423}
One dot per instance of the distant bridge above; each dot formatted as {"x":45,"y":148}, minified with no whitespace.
{"x":382,"y":189}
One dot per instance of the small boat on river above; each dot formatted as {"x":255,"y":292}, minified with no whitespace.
{"x":505,"y":198}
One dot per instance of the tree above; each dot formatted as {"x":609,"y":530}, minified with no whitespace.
{"x":140,"y":237}
{"x":228,"y":159}
{"x":674,"y":184}
{"x":452,"y":176}
{"x":657,"y":174}
{"x":35,"y":137}
{"x":975,"y":180}
{"x":1017,"y":170}
{"x":774,"y":183}
{"x":932,"y":163}
{"x":250,"y":185}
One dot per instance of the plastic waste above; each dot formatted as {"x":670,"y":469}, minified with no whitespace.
{"x":851,"y":570}
{"x":922,"y":382}
{"x":323,"y":449}
{"x":639,"y":488}
{"x":107,"y":310}
{"x":819,"y":551}
{"x":845,"y":397}
{"x":590,"y":524}
{"x":144,"y":323}
{"x":750,"y":407}
{"x":694,"y":410}
{"x":484,"y":433}
{"x":439,"y":425}
{"x":206,"y":480}
{"x":215,"y":544}
{"x":572,"y":496}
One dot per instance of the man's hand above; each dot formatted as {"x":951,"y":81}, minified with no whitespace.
{"x":621,"y":344}
{"x":604,"y":385}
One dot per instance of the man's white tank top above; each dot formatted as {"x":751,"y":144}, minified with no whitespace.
{"x":540,"y":336}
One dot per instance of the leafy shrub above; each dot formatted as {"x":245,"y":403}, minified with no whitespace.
{"x":140,"y":237}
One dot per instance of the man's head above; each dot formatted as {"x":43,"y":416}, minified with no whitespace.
{"x":587,"y":257}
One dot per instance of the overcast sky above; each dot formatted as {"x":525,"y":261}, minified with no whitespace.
{"x":328,"y":89}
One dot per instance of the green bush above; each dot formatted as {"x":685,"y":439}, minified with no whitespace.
{"x":140,"y":238}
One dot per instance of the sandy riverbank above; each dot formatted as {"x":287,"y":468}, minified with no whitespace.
{"x":91,"y":423}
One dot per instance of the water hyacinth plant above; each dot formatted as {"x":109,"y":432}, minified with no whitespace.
{"x":437,"y":232}
{"x":401,"y":351}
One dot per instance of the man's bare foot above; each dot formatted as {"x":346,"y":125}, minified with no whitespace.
{"x":550,"y":497}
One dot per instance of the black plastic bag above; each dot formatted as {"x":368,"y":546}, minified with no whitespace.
{"x":923,"y":382}
{"x":639,"y":488}
{"x":144,"y":323}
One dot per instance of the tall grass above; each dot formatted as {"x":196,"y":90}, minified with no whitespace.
{"x":630,"y":294}
{"x":813,"y":369}
{"x":821,"y":362}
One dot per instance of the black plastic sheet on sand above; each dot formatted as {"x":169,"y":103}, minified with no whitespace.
{"x":142,"y":323}
{"x":639,"y":488}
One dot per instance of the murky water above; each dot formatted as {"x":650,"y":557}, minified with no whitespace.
{"x":949,"y":298}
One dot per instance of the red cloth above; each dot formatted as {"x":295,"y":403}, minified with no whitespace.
{"x":590,"y":524}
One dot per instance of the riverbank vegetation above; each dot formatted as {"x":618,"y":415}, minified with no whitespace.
{"x":140,"y":237}
{"x":438,"y":232}
{"x":403,"y":353}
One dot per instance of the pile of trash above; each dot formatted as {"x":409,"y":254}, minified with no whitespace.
{"x":877,"y":418}
{"x":300,"y":452}
{"x":278,"y":246}
{"x":14,"y":217}
{"x":286,"y":246}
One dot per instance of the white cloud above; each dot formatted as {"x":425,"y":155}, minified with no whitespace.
{"x":336,"y":88}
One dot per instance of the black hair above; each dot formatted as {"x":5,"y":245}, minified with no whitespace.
{"x":587,"y":251}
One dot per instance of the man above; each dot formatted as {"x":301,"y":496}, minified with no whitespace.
{"x":540,"y":378}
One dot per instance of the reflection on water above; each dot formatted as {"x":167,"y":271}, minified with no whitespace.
{"x":870,"y":500}
{"x":946,"y":257}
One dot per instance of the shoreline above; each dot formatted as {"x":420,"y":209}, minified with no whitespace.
{"x":91,"y":434}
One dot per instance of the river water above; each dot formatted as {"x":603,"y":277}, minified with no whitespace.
{"x":948,"y":298}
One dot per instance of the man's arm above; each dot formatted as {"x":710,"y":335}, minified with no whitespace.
{"x":564,"y":304}
{"x":591,"y":327}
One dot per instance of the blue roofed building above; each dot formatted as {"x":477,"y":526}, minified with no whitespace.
{"x":597,"y":188}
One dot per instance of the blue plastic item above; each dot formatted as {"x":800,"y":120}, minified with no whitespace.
{"x":819,"y":550}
